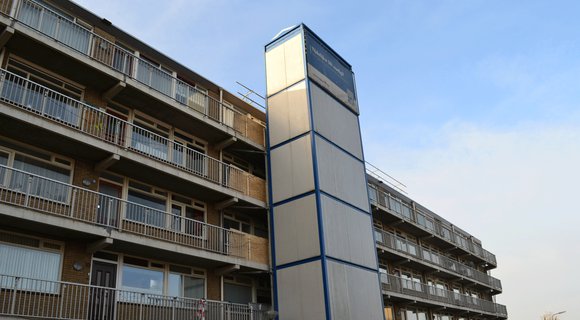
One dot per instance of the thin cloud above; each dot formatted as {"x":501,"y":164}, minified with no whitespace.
{"x":511,"y":189}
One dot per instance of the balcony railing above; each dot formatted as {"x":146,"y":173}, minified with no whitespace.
{"x":61,"y":28}
{"x":399,"y":208}
{"x":31,"y":191}
{"x":399,"y":244}
{"x":50,"y":104}
{"x":30,"y":298}
{"x":420,"y":290}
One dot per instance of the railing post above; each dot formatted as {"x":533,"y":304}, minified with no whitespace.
{"x":108,"y":221}
{"x":247,"y":184}
{"x":14,"y":8}
{"x":173,"y":308}
{"x":249,"y":257}
{"x":72,"y":202}
{"x":141,"y":306}
{"x":61,"y":301}
{"x":90,"y":46}
{"x":27,"y":194}
{"x":14,"y":293}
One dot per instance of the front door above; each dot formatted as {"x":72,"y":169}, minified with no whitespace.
{"x":102,"y":304}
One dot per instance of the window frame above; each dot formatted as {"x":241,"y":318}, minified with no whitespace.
{"x":42,"y":248}
{"x":12,"y":153}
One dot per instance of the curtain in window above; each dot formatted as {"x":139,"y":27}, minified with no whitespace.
{"x":40,"y":187}
{"x":30,"y":264}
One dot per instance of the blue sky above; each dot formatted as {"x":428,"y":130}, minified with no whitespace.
{"x":473,"y":104}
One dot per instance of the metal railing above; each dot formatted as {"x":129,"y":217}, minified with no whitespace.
{"x":33,"y":298}
{"x":38,"y":99}
{"x":66,"y":31}
{"x":412,"y":288}
{"x":407,"y":247}
{"x":397,"y":207}
{"x":28,"y":190}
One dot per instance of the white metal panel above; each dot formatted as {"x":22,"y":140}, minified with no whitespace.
{"x":354,"y":293}
{"x":285,"y":64}
{"x":296,"y":226}
{"x":341,"y":175}
{"x":335,"y":122}
{"x":301,"y":293}
{"x":288,"y":114}
{"x":292,"y":169}
{"x":348,"y":233}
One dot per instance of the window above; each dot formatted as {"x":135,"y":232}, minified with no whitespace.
{"x":50,"y":96}
{"x":35,"y":261}
{"x":145,"y":208}
{"x":189,"y":152}
{"x":394,"y":204}
{"x":150,"y":137}
{"x":406,"y":211}
{"x":182,"y":284}
{"x":198,"y":99}
{"x":237,"y":222}
{"x":57,"y":172}
{"x":55,"y":24}
{"x":157,"y":279}
{"x":411,"y":281}
{"x":228,"y":114}
{"x":154,"y":75}
{"x":123,"y":58}
{"x":372,"y":194}
{"x":142,"y":280}
{"x":437,"y":288}
{"x":237,"y":293}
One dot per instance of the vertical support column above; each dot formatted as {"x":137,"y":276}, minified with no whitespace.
{"x":323,"y":252}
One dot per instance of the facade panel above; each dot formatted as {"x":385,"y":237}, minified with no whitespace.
{"x":341,"y":175}
{"x":296,"y":230}
{"x":301,"y":293}
{"x":346,"y":233}
{"x":292,"y":172}
{"x":288,"y":113}
{"x":335,"y":122}
{"x":285,"y":64}
{"x":352,"y":292}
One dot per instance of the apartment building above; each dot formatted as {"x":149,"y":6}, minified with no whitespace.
{"x":429,"y":268}
{"x":132,"y":187}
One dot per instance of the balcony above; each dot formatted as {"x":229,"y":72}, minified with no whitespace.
{"x":54,"y":106}
{"x":398,"y":208}
{"x":84,"y":41}
{"x":409,"y":289}
{"x":23,"y":189}
{"x":408,"y":248}
{"x":32,"y":298}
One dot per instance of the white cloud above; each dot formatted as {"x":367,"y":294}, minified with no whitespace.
{"x":515,"y":190}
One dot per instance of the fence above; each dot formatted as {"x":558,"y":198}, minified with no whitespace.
{"x":420,"y":290}
{"x":405,"y":246}
{"x":65,"y":30}
{"x":40,"y":100}
{"x":55,"y":197}
{"x":423,"y":221}
{"x":24,"y":297}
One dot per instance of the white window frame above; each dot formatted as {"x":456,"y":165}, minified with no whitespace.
{"x":42,"y":248}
